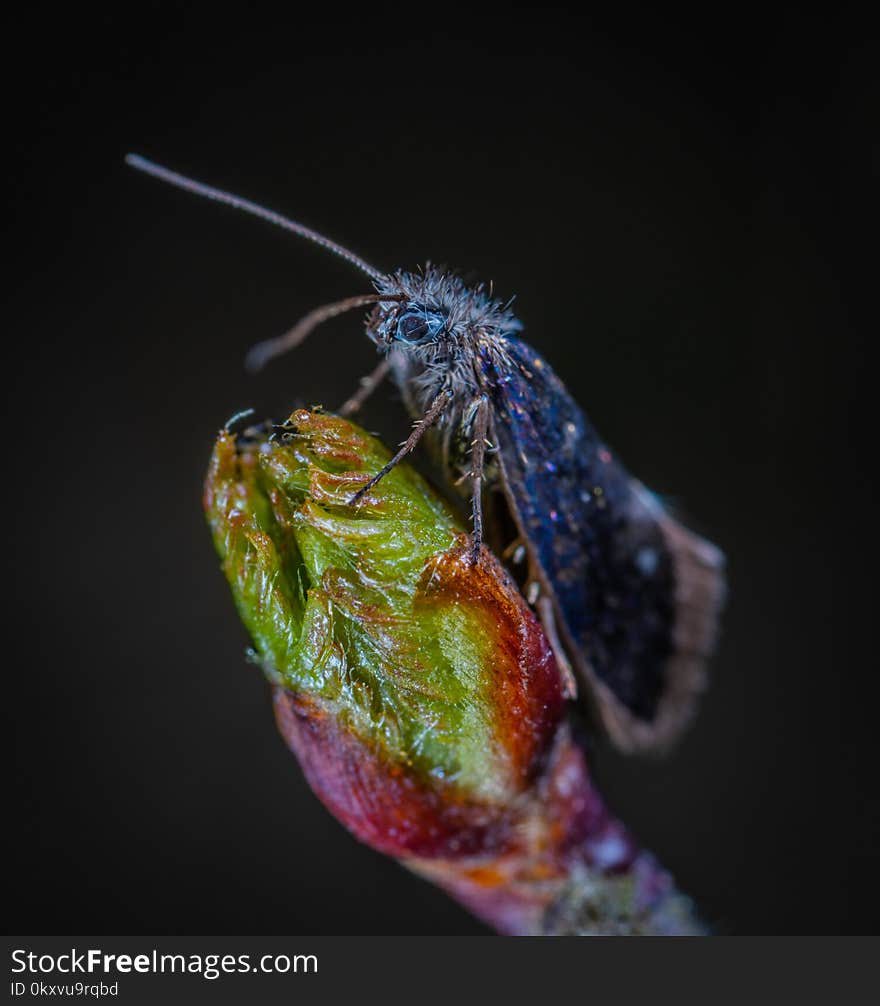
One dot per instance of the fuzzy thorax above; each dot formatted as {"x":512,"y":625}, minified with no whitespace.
{"x":459,"y":345}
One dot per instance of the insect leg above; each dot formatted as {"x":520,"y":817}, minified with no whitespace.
{"x":368,"y":386}
{"x":438,"y":407}
{"x":478,"y":455}
{"x":237,"y":418}
{"x":548,"y":620}
{"x":260,"y":354}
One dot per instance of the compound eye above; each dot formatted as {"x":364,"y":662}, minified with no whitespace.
{"x":419,"y":326}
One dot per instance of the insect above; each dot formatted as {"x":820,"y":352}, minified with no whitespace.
{"x":628,"y":596}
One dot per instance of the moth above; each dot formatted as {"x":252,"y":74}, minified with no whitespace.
{"x":629,"y":598}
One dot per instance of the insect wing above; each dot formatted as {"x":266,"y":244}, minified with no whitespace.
{"x":636,"y":595}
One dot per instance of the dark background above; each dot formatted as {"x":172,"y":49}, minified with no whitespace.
{"x":673,"y":207}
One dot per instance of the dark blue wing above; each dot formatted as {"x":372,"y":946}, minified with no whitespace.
{"x":636,"y":595}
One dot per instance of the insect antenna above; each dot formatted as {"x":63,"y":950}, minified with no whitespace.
{"x":238,"y":203}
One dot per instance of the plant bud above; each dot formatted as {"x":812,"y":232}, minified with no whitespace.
{"x":416,"y":688}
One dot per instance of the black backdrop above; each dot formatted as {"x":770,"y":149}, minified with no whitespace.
{"x":669,"y":204}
